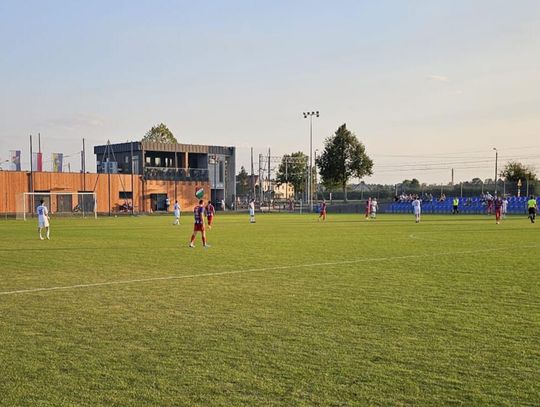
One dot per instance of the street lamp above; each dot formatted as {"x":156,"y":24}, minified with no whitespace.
{"x":496,"y":159}
{"x":310,"y":115}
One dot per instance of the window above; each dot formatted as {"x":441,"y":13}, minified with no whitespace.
{"x":148,"y":160}
{"x":221,"y":171}
{"x":125,"y":195}
{"x":158,"y":161}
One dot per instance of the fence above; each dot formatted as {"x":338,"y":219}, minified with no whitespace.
{"x":465,"y":189}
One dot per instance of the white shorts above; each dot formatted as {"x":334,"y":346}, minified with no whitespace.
{"x":43,"y":223}
{"x":417,"y":211}
{"x":251,"y":212}
{"x":176,"y":214}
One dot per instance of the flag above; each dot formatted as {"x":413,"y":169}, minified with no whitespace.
{"x":15,"y":160}
{"x":57,"y":161}
{"x":37,"y":162}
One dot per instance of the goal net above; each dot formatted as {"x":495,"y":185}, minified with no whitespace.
{"x":83,"y":204}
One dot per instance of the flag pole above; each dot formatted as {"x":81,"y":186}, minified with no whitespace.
{"x":31,"y":176}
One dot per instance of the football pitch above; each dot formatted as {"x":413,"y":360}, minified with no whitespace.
{"x":287,"y":311}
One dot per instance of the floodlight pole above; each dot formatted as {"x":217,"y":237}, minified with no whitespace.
{"x":310,"y":115}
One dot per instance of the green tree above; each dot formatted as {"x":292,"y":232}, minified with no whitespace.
{"x":243,"y":181}
{"x":293,"y":169}
{"x":344,"y":157}
{"x":160,"y":134}
{"x":476,"y":181}
{"x":513,"y":171}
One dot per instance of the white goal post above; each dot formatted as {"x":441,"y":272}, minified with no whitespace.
{"x":64,"y":203}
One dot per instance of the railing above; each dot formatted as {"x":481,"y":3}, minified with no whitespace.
{"x":176,"y":174}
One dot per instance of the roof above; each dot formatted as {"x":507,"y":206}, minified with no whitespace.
{"x":165,"y":147}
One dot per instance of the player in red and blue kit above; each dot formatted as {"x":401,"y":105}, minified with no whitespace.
{"x":498,"y":203}
{"x":210,"y":212}
{"x":198,"y":213}
{"x":322,"y":210}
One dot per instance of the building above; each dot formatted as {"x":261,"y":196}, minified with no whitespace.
{"x":172,"y":163}
{"x":141,"y":175}
{"x":271,"y":189}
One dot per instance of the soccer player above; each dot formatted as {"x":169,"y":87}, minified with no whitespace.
{"x":532,"y":206}
{"x":498,"y":203}
{"x":374,"y":207}
{"x":176,"y":213}
{"x":504,"y":207}
{"x":43,"y":219}
{"x":489,"y":200}
{"x":198,"y":213}
{"x":210,"y":212}
{"x":322,"y":211}
{"x":368,"y":208}
{"x":417,"y":208}
{"x":252,"y":211}
{"x":455,"y":206}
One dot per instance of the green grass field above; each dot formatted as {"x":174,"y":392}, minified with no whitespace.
{"x":287,"y":311}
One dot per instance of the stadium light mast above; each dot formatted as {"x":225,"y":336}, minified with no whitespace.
{"x":496,"y":161}
{"x":310,"y":115}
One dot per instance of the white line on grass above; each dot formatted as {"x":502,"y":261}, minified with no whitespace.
{"x":223,"y":273}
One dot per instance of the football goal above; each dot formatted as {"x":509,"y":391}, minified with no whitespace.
{"x":83,"y":204}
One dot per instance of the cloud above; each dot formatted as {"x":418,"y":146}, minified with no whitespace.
{"x":438,"y":78}
{"x":78,"y":121}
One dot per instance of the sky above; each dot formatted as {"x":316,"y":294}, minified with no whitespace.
{"x":426,"y":85}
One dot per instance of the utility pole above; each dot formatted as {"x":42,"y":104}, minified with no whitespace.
{"x":132,"y":183}
{"x":260,"y":180}
{"x":32,"y":178}
{"x":496,"y":160}
{"x":252,"y":176}
{"x":286,"y":179}
{"x":310,"y":115}
{"x":269,"y":177}
{"x":83,"y":164}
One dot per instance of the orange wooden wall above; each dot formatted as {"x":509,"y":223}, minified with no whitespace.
{"x":13,"y":184}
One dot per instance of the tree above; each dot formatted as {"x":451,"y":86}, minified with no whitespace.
{"x":513,"y":171}
{"x":243,"y":184}
{"x":414,"y":183}
{"x":293,"y":170}
{"x":477,"y":181}
{"x":343,"y":157}
{"x":160,"y":134}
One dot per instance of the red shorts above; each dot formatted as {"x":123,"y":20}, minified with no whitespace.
{"x":198,"y":227}
{"x":498,"y":213}
{"x":210,"y":219}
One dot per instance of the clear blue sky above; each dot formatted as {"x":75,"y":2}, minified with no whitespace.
{"x":428,"y":83}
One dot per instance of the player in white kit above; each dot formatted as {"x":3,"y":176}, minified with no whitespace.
{"x":43,"y":219}
{"x":176,"y":213}
{"x":374,"y":207}
{"x":504,"y":207}
{"x":252,"y":211}
{"x":417,"y":208}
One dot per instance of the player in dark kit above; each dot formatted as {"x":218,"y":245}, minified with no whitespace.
{"x":210,"y":212}
{"x":322,"y":210}
{"x":498,"y":204}
{"x":198,"y":213}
